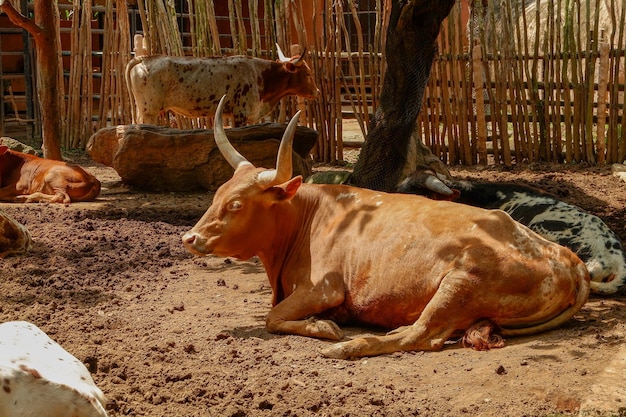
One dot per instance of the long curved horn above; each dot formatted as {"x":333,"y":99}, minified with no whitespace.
{"x":234,"y":158}
{"x":284,"y":168}
{"x":436,"y":185}
{"x":299,"y":59}
{"x":281,"y":57}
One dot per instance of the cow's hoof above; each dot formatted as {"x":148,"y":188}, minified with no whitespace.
{"x":336,"y":351}
{"x":324,"y":329}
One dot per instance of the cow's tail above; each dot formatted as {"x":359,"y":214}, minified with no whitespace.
{"x":136,"y":60}
{"x":581,"y":298}
{"x":616,"y":285}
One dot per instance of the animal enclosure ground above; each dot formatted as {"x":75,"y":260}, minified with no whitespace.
{"x":166,"y":333}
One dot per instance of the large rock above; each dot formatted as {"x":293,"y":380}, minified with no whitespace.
{"x":155,"y":158}
{"x":17,"y":146}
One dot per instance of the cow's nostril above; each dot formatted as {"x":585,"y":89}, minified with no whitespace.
{"x":189,"y":238}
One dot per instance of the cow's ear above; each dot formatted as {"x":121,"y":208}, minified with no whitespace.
{"x":290,"y":67}
{"x":287,"y":190}
{"x":455,"y":194}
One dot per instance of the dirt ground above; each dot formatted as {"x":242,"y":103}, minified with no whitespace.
{"x":166,"y":333}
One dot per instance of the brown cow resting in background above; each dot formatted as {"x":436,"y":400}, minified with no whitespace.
{"x":427,"y":268}
{"x":30,"y":179}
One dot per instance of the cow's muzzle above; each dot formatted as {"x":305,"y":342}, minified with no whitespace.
{"x":195,"y":244}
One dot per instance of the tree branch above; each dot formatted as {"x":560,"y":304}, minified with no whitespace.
{"x":19,"y":19}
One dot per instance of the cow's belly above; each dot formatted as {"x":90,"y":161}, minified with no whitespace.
{"x":384,"y":312}
{"x":384,"y":288}
{"x":199,"y":110}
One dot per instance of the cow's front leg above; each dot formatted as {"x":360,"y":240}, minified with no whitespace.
{"x":293,"y":314}
{"x":37,"y":197}
{"x":8,"y":193}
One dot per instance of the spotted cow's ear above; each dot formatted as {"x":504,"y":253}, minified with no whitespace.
{"x":286,"y":190}
{"x":290,"y":67}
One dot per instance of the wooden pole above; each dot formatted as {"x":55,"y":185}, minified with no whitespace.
{"x":617,"y":144}
{"x":481,"y":123}
{"x":43,"y":28}
{"x":558,"y":90}
{"x":603,"y":79}
{"x":591,"y":53}
{"x":73,"y":108}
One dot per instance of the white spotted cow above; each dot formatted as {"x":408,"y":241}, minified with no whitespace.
{"x":193,"y":86}
{"x":38,"y":378}
{"x":342,"y":254}
{"x":566,"y":224}
{"x":14,"y":236}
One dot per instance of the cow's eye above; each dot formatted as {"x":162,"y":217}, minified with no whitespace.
{"x":234,"y":205}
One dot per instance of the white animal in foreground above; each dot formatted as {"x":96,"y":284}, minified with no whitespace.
{"x":38,"y":378}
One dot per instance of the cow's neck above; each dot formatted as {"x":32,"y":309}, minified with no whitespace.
{"x":275,"y":84}
{"x":10,"y":170}
{"x":291,"y":243}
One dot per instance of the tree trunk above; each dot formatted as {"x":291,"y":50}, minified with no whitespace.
{"x":48,"y":77}
{"x":410,"y":49}
{"x":43,"y":31}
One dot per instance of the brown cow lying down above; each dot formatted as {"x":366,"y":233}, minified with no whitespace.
{"x":30,"y":179}
{"x":14,"y":237}
{"x":427,"y":268}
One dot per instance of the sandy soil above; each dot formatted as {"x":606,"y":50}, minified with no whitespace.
{"x":166,"y":333}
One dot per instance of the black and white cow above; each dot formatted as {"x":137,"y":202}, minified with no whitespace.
{"x":570,"y":226}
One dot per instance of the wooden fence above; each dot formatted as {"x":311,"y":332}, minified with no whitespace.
{"x":545,"y":82}
{"x":527,"y":84}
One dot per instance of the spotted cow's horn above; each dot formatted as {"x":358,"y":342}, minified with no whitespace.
{"x":283,"y":170}
{"x":435,"y":184}
{"x":234,"y":158}
{"x":281,"y":56}
{"x":299,"y":59}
